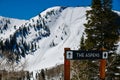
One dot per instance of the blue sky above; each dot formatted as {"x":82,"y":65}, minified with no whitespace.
{"x":25,"y":9}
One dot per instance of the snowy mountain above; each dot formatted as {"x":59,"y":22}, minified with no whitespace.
{"x":66,"y":28}
{"x":42,"y":39}
{"x":8,"y":26}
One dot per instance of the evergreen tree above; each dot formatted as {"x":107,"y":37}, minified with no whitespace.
{"x":32,"y":47}
{"x":94,"y":35}
{"x":5,"y":26}
{"x":102,"y":31}
{"x":1,"y":31}
{"x":102,"y":26}
{"x":43,"y":74}
{"x":82,"y":45}
{"x":107,"y":4}
{"x":93,"y":25}
{"x":92,"y":31}
{"x":15,"y":27}
{"x":1,"y":43}
{"x":111,"y":24}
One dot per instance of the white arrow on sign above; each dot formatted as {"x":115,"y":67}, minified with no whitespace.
{"x":105,"y":55}
{"x":69,"y":55}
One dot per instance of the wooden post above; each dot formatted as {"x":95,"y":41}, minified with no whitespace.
{"x":102,"y":67}
{"x":66,"y":66}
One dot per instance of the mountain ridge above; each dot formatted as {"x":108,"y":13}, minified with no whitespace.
{"x":42,"y":39}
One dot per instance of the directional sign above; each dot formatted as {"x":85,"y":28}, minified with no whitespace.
{"x":69,"y":55}
{"x":105,"y":55}
{"x":92,"y":54}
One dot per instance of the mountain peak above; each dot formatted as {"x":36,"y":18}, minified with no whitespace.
{"x":44,"y":37}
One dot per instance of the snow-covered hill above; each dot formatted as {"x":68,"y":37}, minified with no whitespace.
{"x":45,"y":36}
{"x":8,"y":26}
{"x":65,"y":31}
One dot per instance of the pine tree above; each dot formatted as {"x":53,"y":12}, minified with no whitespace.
{"x":1,"y":43}
{"x":102,"y":26}
{"x":15,"y":27}
{"x":94,"y":35}
{"x":87,"y":70}
{"x":82,"y":45}
{"x":43,"y":74}
{"x":102,"y":31}
{"x":111,"y":24}
{"x":107,"y":4}
{"x":93,"y":25}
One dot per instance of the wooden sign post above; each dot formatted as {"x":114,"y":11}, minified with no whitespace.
{"x":80,"y":55}
{"x":103,"y":66}
{"x":102,"y":69}
{"x":66,"y":66}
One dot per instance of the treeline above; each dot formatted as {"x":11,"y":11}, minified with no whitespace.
{"x":55,"y":73}
{"x":18,"y":75}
